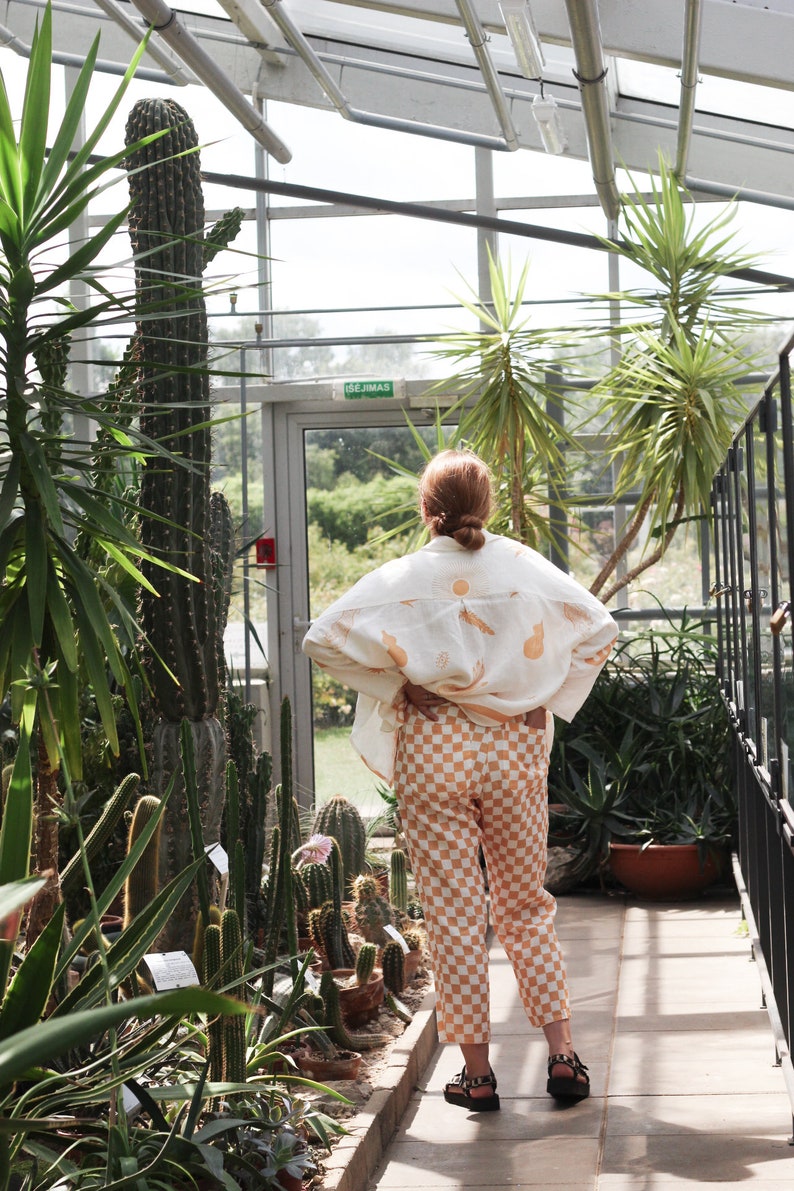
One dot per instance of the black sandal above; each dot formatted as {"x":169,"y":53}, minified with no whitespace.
{"x":568,"y":1087}
{"x":458,"y":1091}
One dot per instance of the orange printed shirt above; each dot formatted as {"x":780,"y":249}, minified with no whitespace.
{"x":498,"y":631}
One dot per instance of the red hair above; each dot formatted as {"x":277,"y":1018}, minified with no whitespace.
{"x":456,"y":489}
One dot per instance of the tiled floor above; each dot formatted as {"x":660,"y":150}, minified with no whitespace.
{"x":668,"y":1017}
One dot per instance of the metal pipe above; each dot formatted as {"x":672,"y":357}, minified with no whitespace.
{"x":173,"y":68}
{"x":10,"y":41}
{"x":332,"y":92}
{"x":479,"y":43}
{"x":167,"y":24}
{"x":591,"y":75}
{"x":510,"y":227}
{"x":690,"y":57}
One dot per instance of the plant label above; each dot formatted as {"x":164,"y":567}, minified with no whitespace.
{"x":171,"y":969}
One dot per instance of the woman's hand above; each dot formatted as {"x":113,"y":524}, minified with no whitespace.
{"x":423,"y":700}
{"x":536,"y":718}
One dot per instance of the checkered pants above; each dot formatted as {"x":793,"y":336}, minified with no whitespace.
{"x":460,"y":785}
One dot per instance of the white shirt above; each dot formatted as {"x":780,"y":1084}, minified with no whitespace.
{"x":498,"y":631}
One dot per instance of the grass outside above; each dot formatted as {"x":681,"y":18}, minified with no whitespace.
{"x":338,"y":769}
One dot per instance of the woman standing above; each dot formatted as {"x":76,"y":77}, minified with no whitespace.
{"x":462,"y":653}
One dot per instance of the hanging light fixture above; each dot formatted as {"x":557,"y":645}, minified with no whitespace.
{"x":547,"y":118}
{"x":523,"y":35}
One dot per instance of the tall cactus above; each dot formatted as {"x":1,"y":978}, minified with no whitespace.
{"x":183,"y":621}
{"x":342,"y":820}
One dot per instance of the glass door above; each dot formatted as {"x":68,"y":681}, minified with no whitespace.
{"x":333,"y":494}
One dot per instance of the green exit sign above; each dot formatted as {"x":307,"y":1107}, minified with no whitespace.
{"x":357,"y":390}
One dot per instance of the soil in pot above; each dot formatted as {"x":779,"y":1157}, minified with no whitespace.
{"x":359,"y":1002}
{"x":664,"y":872}
{"x":344,"y":1064}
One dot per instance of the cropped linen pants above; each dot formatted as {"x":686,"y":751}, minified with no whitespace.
{"x":460,"y":785}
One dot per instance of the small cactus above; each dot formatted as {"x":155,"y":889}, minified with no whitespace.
{"x":340,"y":819}
{"x":99,"y":836}
{"x":318,"y":881}
{"x":373,"y":912}
{"x":393,"y":964}
{"x":365,"y":962}
{"x":414,"y":939}
{"x":336,"y":945}
{"x":141,"y":885}
{"x":398,"y":879}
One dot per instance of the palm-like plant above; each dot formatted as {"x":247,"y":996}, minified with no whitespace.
{"x":672,"y":401}
{"x":505,"y":405}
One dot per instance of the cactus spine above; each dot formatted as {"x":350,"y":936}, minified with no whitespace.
{"x":233,"y":1026}
{"x":317,"y":879}
{"x":336,"y":945}
{"x":101,"y":832}
{"x":373,"y":912}
{"x":393,"y":964}
{"x":182,"y":622}
{"x":365,"y":962}
{"x":141,"y":885}
{"x":211,"y":975}
{"x":343,"y":822}
{"x":398,"y":879}
{"x":223,"y":968}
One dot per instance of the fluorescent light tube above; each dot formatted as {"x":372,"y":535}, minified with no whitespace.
{"x":524,"y":37}
{"x":547,"y":118}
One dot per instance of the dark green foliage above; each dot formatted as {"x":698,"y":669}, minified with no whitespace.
{"x":333,"y":1021}
{"x":341,"y":820}
{"x":393,"y":964}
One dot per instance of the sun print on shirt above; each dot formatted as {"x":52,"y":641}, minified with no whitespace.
{"x":454,"y":579}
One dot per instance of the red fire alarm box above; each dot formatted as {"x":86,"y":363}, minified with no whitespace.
{"x":266,"y":553}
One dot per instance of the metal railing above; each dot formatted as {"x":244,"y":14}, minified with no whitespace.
{"x":753,"y":501}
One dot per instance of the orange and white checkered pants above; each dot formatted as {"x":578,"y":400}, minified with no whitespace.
{"x":460,"y":785}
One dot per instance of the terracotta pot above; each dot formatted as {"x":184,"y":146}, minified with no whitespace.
{"x":412,"y":964}
{"x":664,"y":872}
{"x":344,"y":1065}
{"x":290,"y":1182}
{"x":359,"y":1002}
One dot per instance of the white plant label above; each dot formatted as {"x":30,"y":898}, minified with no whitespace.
{"x":171,"y":969}
{"x":393,"y":933}
{"x":129,"y":1100}
{"x":313,"y":982}
{"x":218,"y":856}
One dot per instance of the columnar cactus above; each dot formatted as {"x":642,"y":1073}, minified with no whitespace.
{"x":72,"y":874}
{"x":183,"y":620}
{"x":340,"y":819}
{"x":365,"y":962}
{"x":222,"y":967}
{"x":393,"y":963}
{"x":141,"y":885}
{"x":398,"y":879}
{"x":373,"y":912}
{"x":317,"y":879}
{"x":336,"y":945}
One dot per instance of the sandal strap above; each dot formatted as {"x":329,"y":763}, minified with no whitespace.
{"x":479,"y":1081}
{"x":576,"y":1065}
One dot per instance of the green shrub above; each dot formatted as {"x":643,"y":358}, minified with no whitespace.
{"x":350,"y":511}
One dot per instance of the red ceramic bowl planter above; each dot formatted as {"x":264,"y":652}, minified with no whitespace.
{"x":663,"y":872}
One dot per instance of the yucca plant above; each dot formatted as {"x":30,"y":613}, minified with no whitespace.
{"x":504,"y":410}
{"x":671,"y":403}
